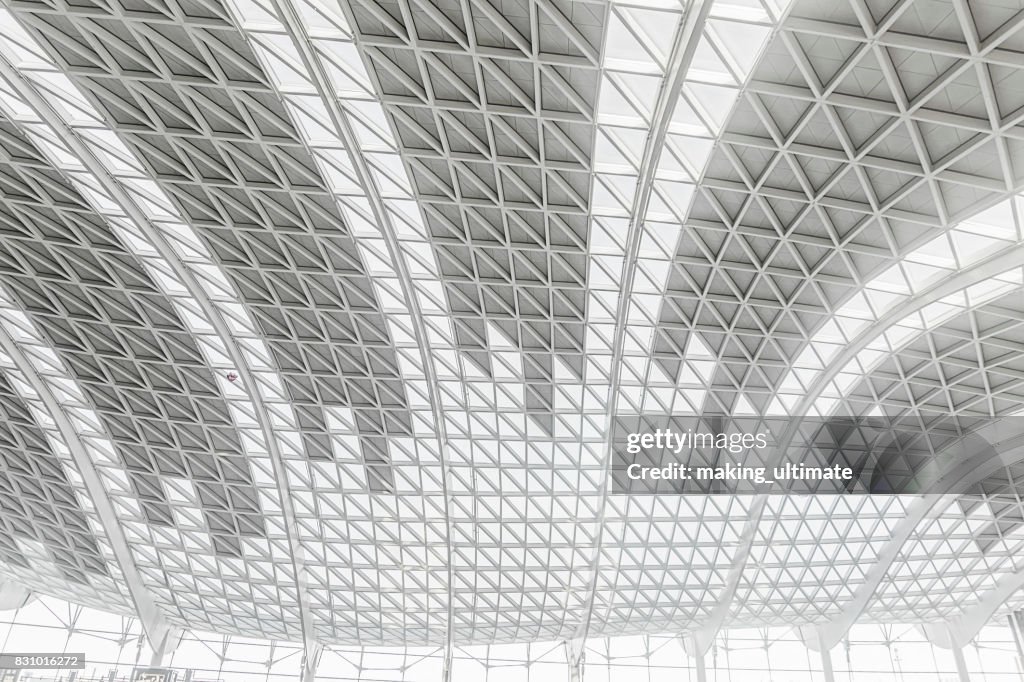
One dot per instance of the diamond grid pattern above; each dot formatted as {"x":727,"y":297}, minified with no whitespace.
{"x":574,"y":223}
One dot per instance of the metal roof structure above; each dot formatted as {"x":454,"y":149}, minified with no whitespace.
{"x":315,"y":316}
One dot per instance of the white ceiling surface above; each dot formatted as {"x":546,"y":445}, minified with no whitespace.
{"x":378,"y":274}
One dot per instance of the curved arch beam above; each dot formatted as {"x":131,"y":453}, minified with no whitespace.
{"x":983,"y":270}
{"x":998,"y":127}
{"x":703,"y":637}
{"x":292,"y":26}
{"x":684,"y":46}
{"x":833,"y":631}
{"x":964,"y":627}
{"x":986,"y":269}
{"x":154,"y":623}
{"x":963,"y":474}
{"x":453,"y":374}
{"x":199,"y":304}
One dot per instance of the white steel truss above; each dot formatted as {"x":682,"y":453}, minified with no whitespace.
{"x":340,"y":300}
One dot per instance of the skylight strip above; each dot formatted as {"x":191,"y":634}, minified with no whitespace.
{"x":627,"y":128}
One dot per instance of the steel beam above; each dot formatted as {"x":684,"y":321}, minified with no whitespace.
{"x":310,"y":661}
{"x":964,"y":627}
{"x":140,"y":219}
{"x":684,"y":46}
{"x":575,"y":656}
{"x":344,"y":131}
{"x":836,"y":629}
{"x":158,"y":631}
{"x":961,"y":665}
{"x":700,"y":666}
{"x":1016,"y":620}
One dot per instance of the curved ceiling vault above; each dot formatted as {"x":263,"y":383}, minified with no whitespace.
{"x":315,"y":315}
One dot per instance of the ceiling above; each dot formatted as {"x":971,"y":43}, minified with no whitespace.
{"x":315,"y":317}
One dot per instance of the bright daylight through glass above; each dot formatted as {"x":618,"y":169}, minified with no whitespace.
{"x":511,"y":340}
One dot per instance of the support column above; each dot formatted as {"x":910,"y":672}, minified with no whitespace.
{"x":310,"y":661}
{"x":826,"y":665}
{"x":958,"y":633}
{"x":574,"y":655}
{"x":815,"y":639}
{"x":961,"y":664}
{"x":701,"y":667}
{"x":163,"y":642}
{"x":446,"y":665}
{"x":1016,"y":621}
